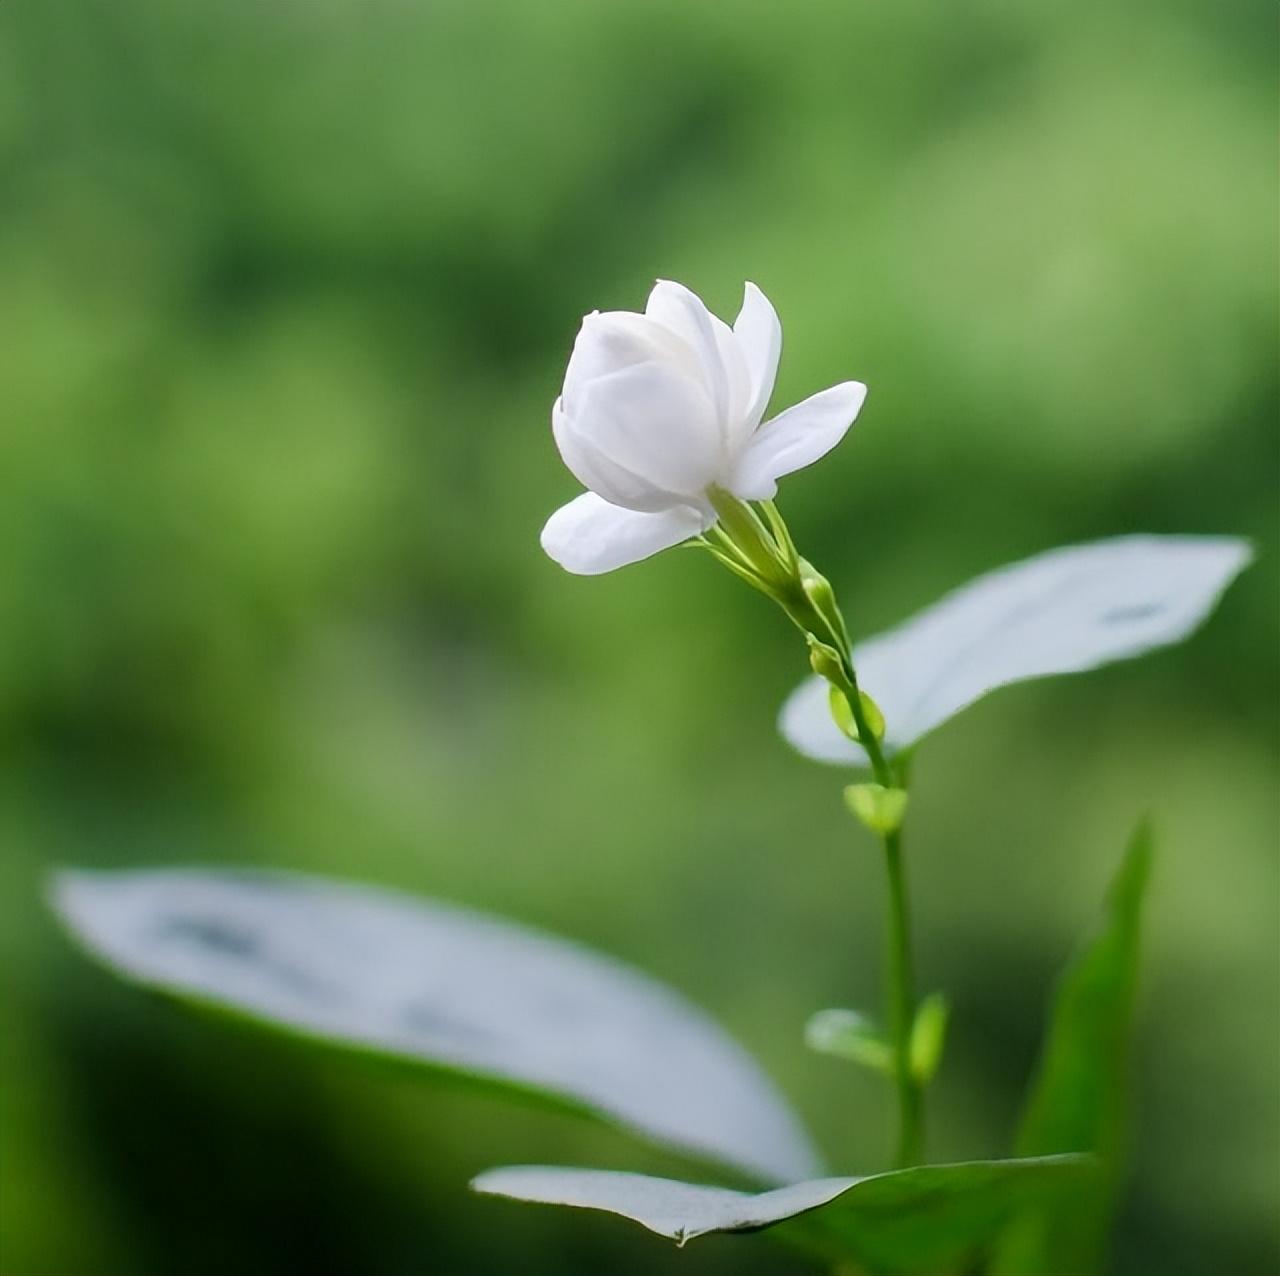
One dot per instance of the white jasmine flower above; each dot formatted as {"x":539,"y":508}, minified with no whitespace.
{"x":662,"y":410}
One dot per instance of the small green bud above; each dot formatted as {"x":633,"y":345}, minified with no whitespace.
{"x":928,"y":1036}
{"x":871,"y":712}
{"x":822,"y":598}
{"x":850,"y":1035}
{"x":817,"y":589}
{"x":824,"y":659}
{"x":842,"y":712}
{"x":880,"y":809}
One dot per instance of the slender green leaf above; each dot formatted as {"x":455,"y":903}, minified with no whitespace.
{"x":1079,"y":1099}
{"x":446,"y":989}
{"x":926,"y":1221}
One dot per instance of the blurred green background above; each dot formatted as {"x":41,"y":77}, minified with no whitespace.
{"x":286,"y":292}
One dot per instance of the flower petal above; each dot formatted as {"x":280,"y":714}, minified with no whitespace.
{"x":619,"y":339}
{"x":656,"y":424}
{"x":759,"y":335}
{"x":589,"y":536}
{"x":683,"y":312}
{"x":796,"y":438}
{"x":736,"y":424}
{"x":598,"y":472}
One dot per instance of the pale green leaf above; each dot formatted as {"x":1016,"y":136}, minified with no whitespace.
{"x":926,"y":1221}
{"x":1064,"y":611}
{"x":447,"y":989}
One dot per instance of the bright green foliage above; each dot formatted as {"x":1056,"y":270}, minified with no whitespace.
{"x":936,"y":1220}
{"x":1079,"y":1100}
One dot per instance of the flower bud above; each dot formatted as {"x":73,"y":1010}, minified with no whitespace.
{"x":928,"y":1036}
{"x":842,"y":712}
{"x":817,"y":589}
{"x":825,"y":660}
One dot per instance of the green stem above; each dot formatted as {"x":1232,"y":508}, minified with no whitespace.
{"x":900,"y":979}
{"x":900,"y":994}
{"x":901,"y":1000}
{"x":866,"y":736}
{"x":766,"y":557}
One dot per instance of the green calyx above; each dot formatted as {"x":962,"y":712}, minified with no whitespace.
{"x":757,"y":549}
{"x":755,"y":544}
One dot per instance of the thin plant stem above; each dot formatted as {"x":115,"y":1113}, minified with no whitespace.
{"x":780,"y":573}
{"x":900,"y":999}
{"x":866,"y":736}
{"x":900,"y":993}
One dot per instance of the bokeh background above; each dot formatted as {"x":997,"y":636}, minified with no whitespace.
{"x":286,"y":291}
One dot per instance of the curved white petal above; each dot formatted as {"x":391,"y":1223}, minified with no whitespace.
{"x":759,"y":336}
{"x":654,"y":422}
{"x":682,"y":311}
{"x":589,"y":536}
{"x":619,"y":339}
{"x":736,"y":424}
{"x":598,"y":472}
{"x":795,"y":438}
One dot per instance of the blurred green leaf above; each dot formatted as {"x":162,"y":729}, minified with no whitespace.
{"x":1079,"y":1100}
{"x":459,"y":992}
{"x":931,"y":1219}
{"x":849,"y":1034}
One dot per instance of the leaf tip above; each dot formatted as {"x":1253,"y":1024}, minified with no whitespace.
{"x":1134,"y":874}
